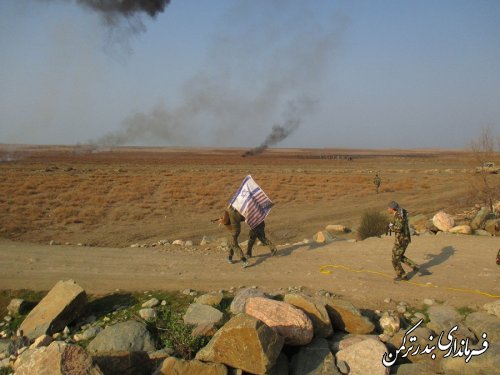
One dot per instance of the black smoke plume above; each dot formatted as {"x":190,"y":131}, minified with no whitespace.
{"x":126,"y":8}
{"x":114,"y":12}
{"x":292,"y":120}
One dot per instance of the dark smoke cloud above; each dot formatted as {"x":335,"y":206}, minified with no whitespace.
{"x":126,"y":7}
{"x":292,"y":120}
{"x":157,"y":124}
{"x":114,"y":12}
{"x":257,"y":67}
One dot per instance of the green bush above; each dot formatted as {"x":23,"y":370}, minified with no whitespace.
{"x":373,"y":224}
{"x":176,"y":335}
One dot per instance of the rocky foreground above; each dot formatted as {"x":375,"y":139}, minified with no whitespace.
{"x":246,"y":331}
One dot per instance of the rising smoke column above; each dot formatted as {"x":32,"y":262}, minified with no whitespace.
{"x":292,"y":120}
{"x":255,"y":65}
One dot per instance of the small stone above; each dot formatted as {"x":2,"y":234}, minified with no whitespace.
{"x":428,"y":302}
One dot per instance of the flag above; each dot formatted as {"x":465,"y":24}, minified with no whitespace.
{"x":251,"y":201}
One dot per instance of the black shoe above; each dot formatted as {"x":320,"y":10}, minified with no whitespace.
{"x":248,"y":255}
{"x":415,"y":268}
{"x":401,"y":278}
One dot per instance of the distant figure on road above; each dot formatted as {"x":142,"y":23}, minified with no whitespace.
{"x":399,"y":225}
{"x":259,"y":232}
{"x":377,"y":181}
{"x":232,"y":221}
{"x":498,"y":258}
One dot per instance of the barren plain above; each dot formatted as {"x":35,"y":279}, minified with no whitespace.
{"x":93,"y":204}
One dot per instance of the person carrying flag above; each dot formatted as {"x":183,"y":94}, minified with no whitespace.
{"x":232,"y":220}
{"x":252,"y":205}
{"x":260,"y":233}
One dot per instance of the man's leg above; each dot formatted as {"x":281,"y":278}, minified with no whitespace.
{"x":251,"y":241}
{"x":397,"y":253}
{"x":237,"y":249}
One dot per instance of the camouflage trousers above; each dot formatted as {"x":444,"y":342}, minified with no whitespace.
{"x":398,"y":257}
{"x":234,"y":247}
{"x":259,"y":232}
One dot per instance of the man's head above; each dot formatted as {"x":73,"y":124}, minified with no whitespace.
{"x":392,"y":206}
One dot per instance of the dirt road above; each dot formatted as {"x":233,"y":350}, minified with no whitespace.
{"x":462,"y":269}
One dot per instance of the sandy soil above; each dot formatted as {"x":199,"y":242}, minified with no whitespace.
{"x":110,"y":199}
{"x":458,"y":270}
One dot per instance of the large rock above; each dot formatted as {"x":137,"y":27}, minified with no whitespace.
{"x":487,"y":363}
{"x":493,"y":227}
{"x":124,"y":363}
{"x":482,"y":322}
{"x":346,"y":317}
{"x":364,"y":358}
{"x":315,"y":310}
{"x":280,"y":367}
{"x":290,"y":322}
{"x":422,"y":337}
{"x":444,"y":318}
{"x":56,"y":310}
{"x":17,"y":306}
{"x":421,"y":368}
{"x":443,"y":221}
{"x":182,"y":367}
{"x":480,"y":218}
{"x":314,"y":359}
{"x":338,"y":228}
{"x":240,"y":299}
{"x":390,"y":322}
{"x":125,"y":336}
{"x":418,"y":222}
{"x":461,"y":229}
{"x":198,"y":314}
{"x":342,"y":340}
{"x":59,"y":358}
{"x":323,"y":237}
{"x":245,"y":343}
{"x":211,"y":299}
{"x":493,"y":308}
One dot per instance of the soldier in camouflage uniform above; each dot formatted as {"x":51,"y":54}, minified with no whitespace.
{"x":399,"y":225}
{"x":259,"y":232}
{"x":234,"y":226}
{"x":377,"y":181}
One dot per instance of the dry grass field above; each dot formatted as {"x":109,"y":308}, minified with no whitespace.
{"x":116,"y":197}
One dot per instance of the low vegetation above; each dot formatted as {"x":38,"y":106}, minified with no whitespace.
{"x":98,"y":198}
{"x":373,"y":224}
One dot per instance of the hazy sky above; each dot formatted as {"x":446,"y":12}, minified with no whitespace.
{"x":224,"y":73}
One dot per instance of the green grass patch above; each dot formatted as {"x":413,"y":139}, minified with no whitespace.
{"x":464,"y":311}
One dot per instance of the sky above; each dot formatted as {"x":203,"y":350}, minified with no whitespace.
{"x":251,"y":73}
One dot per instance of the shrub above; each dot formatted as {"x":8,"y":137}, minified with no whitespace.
{"x":174,"y":334}
{"x":373,"y":224}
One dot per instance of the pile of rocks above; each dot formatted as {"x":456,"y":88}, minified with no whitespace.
{"x":298,"y":332}
{"x":480,"y":222}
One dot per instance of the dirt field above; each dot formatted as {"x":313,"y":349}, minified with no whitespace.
{"x":110,"y":199}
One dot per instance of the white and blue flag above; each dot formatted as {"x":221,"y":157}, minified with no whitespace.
{"x":251,"y":201}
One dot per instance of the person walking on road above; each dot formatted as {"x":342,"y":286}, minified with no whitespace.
{"x":399,"y":225}
{"x":232,"y":221}
{"x":260,"y":233}
{"x":377,"y":181}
